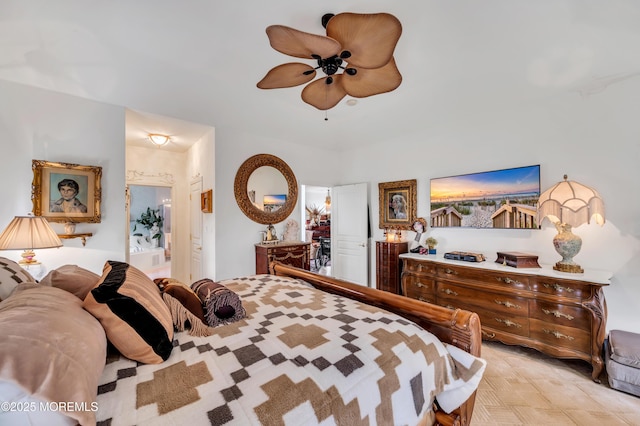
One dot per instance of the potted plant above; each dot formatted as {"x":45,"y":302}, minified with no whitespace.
{"x":431,"y":243}
{"x":152,"y":221}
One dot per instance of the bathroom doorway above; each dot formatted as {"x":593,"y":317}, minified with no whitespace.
{"x":150,"y":229}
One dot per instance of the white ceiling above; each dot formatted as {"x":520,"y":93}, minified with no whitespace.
{"x":198,"y":61}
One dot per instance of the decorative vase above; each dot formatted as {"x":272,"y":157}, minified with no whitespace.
{"x":69,"y":228}
{"x":567,"y":244}
{"x":432,"y":250}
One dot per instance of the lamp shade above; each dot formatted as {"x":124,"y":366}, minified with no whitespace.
{"x":571,"y":203}
{"x":28,"y":233}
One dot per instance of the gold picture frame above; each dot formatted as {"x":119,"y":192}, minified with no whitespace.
{"x":397,"y":204}
{"x":51,"y":179}
{"x":206,"y":201}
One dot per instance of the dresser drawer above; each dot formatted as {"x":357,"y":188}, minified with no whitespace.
{"x":503,"y":322}
{"x":547,"y":285}
{"x":560,"y":336}
{"x":418,"y":287}
{"x":514,"y":281}
{"x":555,"y":313}
{"x":420,"y":267}
{"x":495,"y":302}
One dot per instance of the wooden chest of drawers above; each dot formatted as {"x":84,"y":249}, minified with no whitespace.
{"x":388,"y":265}
{"x":563,"y":315}
{"x":292,"y":253}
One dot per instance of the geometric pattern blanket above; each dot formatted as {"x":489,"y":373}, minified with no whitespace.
{"x":300,"y":357}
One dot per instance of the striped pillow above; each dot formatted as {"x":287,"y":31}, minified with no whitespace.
{"x":11,"y":274}
{"x":131,"y":310}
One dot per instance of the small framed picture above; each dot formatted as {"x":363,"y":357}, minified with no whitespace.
{"x":397,"y":203}
{"x":206,"y":201}
{"x":64,"y":192}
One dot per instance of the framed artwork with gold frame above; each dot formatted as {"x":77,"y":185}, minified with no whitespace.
{"x":65,"y":192}
{"x":397,"y":204}
{"x":206,"y":202}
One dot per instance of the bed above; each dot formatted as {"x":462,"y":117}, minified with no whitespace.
{"x":310,"y":350}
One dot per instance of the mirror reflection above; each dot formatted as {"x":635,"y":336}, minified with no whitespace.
{"x":267,"y":189}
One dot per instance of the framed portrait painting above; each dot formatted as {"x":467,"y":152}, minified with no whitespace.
{"x":64,"y":192}
{"x":397,"y":201}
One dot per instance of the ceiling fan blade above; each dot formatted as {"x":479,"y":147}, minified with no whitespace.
{"x":300,"y":44}
{"x":371,"y":38}
{"x":368,"y":82}
{"x":322,"y":95}
{"x":287,"y":75}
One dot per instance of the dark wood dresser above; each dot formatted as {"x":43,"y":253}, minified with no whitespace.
{"x":388,"y":265}
{"x":294,"y":253}
{"x":561,"y":314}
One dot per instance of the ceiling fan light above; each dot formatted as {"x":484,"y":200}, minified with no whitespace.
{"x":158,"y":139}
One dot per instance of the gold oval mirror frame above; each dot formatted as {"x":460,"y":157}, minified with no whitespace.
{"x":242,"y":191}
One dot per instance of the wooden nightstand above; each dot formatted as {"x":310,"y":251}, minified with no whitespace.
{"x":294,"y":253}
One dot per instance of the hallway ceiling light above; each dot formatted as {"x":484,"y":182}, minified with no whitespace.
{"x":158,"y":139}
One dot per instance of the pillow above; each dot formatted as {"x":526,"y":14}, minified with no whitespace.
{"x":129,"y":307}
{"x":183,"y":294}
{"x":222,"y":306}
{"x":72,"y":278}
{"x":11,"y":274}
{"x":52,"y":349}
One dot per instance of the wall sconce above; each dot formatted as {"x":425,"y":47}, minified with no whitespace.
{"x":158,"y":139}
{"x":569,"y":204}
{"x":28,"y":233}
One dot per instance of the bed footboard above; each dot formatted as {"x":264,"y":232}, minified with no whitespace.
{"x":458,"y":327}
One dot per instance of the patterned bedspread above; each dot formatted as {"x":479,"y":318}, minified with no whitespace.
{"x":300,"y":357}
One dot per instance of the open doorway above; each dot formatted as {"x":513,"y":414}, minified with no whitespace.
{"x":150,"y":229}
{"x":317,"y":226}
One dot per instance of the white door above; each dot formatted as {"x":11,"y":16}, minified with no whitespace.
{"x":350,"y":233}
{"x":196,"y":230}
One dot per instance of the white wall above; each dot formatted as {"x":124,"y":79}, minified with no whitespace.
{"x":595,"y":140}
{"x":201,"y":162}
{"x":235,"y":233}
{"x":42,"y":125}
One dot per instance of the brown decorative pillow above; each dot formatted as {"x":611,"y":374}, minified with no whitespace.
{"x":72,"y":278}
{"x":51,"y":348}
{"x":221,"y":305}
{"x":183,"y":294}
{"x":131,"y":310}
{"x":11,"y":274}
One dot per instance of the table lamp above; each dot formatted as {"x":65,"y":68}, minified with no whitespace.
{"x":28,"y":233}
{"x":569,"y":204}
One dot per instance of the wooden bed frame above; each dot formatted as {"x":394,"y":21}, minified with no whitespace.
{"x":457,"y":327}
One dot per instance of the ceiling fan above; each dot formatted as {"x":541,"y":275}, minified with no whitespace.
{"x":356,"y":57}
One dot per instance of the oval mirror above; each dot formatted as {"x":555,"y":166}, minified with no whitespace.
{"x":266,"y":189}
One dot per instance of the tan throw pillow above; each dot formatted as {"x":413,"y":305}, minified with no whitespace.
{"x":72,"y":278}
{"x":11,"y":274}
{"x":129,"y":307}
{"x":183,"y":294}
{"x":52,"y":348}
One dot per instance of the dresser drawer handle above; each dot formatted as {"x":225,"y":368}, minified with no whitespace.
{"x":558,"y":287}
{"x":508,"y":323}
{"x":490,"y":336}
{"x":422,"y":299}
{"x":450,"y":272}
{"x":558,"y":335}
{"x":420,"y":285}
{"x":449,"y":291}
{"x":508,"y":280}
{"x":507,"y":304}
{"x":557,"y":314}
{"x":453,"y":308}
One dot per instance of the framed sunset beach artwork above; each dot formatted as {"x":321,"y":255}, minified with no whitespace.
{"x":504,"y":199}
